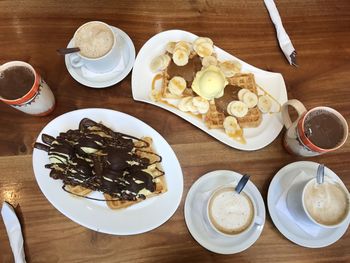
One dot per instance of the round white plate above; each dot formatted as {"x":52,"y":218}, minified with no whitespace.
{"x":110,"y":78}
{"x":139,"y":218}
{"x":287,"y":226}
{"x":273,"y":83}
{"x":197,"y":222}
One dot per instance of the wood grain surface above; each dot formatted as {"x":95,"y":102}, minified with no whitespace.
{"x":32,"y":30}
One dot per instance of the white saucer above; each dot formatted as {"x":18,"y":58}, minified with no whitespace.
{"x":109,"y":78}
{"x":287,"y":226}
{"x":198,"y":225}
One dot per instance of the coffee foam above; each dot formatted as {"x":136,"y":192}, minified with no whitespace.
{"x":230,"y":212}
{"x":94,"y":40}
{"x":326,"y":203}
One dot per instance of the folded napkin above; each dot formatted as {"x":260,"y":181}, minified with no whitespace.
{"x":307,"y":226}
{"x":14,"y":232}
{"x":283,"y":39}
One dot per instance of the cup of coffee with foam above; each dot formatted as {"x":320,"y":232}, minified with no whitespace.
{"x":314,"y":132}
{"x":99,"y":50}
{"x":325,"y":204}
{"x":22,"y":87}
{"x":231,"y":213}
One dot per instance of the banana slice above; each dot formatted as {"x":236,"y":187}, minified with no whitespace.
{"x":230,"y":68}
{"x":264,"y":104}
{"x":160,"y":63}
{"x":180,"y":57}
{"x":201,"y":104}
{"x":231,"y":125}
{"x":250,"y":99}
{"x":185,"y":103}
{"x":241,"y":92}
{"x":201,"y":40}
{"x":237,"y":108}
{"x":177,"y":85}
{"x":204,"y":49}
{"x":208,"y":61}
{"x":170,"y":47}
{"x":183,"y":45}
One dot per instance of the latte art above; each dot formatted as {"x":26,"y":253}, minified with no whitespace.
{"x":326,"y":203}
{"x":230,"y":212}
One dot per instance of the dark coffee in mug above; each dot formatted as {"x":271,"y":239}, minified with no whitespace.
{"x":15,"y":82}
{"x":324,"y":129}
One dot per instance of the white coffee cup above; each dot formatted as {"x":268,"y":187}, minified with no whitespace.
{"x":239,"y":228}
{"x":100,"y":64}
{"x":299,"y":206}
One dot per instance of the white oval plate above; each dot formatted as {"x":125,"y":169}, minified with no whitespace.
{"x":285,"y":225}
{"x":256,"y":138}
{"x":139,"y":218}
{"x":198,"y":224}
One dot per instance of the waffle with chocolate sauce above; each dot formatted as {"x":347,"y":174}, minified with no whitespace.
{"x":124,"y":168}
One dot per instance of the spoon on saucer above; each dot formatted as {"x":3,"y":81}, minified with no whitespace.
{"x":65,"y":51}
{"x":320,"y":174}
{"x":242,"y":182}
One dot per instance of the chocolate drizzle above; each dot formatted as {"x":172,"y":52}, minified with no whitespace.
{"x":97,"y":158}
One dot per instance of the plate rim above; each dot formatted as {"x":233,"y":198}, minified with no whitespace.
{"x":231,"y":143}
{"x":281,"y":227}
{"x":178,"y":192}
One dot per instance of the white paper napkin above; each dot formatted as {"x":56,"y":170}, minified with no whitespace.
{"x":14,"y":232}
{"x":104,"y":76}
{"x":281,"y":206}
{"x":283,"y":39}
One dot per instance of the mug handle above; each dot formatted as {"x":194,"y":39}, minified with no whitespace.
{"x":76,"y":61}
{"x":297,"y":105}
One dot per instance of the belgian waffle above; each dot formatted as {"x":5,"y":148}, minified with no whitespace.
{"x":214,"y":119}
{"x":244,"y":81}
{"x":252,"y":119}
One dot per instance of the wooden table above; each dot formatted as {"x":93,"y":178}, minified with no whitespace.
{"x":32,"y":30}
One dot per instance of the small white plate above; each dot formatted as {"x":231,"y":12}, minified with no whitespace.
{"x":110,"y":78}
{"x":287,"y":226}
{"x":273,"y":83}
{"x":139,"y":218}
{"x":197,"y":222}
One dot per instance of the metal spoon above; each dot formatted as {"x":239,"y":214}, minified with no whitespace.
{"x":320,"y":174}
{"x":242,"y":182}
{"x":65,"y":51}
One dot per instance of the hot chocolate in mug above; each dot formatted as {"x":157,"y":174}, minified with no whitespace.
{"x":314,"y":132}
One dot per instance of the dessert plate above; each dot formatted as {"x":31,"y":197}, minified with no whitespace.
{"x":93,"y":80}
{"x":139,"y":218}
{"x":273,"y":83}
{"x":287,"y":226}
{"x":198,"y":225}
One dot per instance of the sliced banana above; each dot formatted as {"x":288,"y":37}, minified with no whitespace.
{"x":241,"y":92}
{"x":231,"y":125}
{"x":180,"y":57}
{"x":183,"y":45}
{"x":201,"y":104}
{"x":230,"y":68}
{"x":204,"y":49}
{"x":201,"y":40}
{"x":185,"y":103}
{"x":177,"y":85}
{"x":264,"y":104}
{"x":250,"y":99}
{"x":170,"y":47}
{"x":160,"y":62}
{"x":208,"y":61}
{"x":237,"y":108}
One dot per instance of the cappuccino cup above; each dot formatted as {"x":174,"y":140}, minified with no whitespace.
{"x":326,"y":205}
{"x":230,"y":213}
{"x":99,"y":50}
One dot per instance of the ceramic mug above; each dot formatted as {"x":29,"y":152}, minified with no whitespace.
{"x":102,"y":64}
{"x":39,"y":100}
{"x":296,"y":141}
{"x":230,"y":188}
{"x":296,"y":202}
